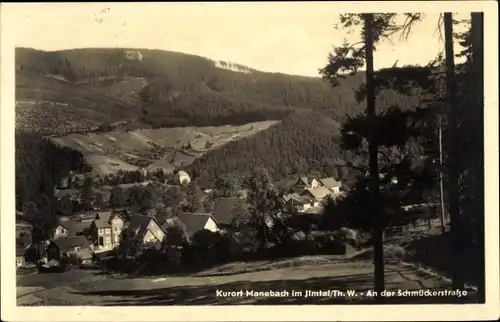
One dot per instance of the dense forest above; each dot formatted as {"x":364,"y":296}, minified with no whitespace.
{"x":304,"y":142}
{"x":40,"y":165}
{"x":163,"y":89}
{"x":94,"y":88}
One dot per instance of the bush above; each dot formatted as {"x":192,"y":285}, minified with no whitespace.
{"x":352,"y":237}
{"x":394,"y":252}
{"x":208,"y":248}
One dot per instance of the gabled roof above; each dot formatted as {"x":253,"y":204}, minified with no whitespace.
{"x":330,"y":182}
{"x":318,"y":193}
{"x":225,"y":209}
{"x":303,"y":180}
{"x":103,"y":219}
{"x":194,"y":222}
{"x":75,"y":227}
{"x":69,"y":243}
{"x":138,"y":225}
{"x":166,"y":223}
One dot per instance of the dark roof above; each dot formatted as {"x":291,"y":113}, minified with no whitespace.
{"x":330,"y":182}
{"x":71,"y":242}
{"x":226,"y":209}
{"x":166,"y":223}
{"x":139,"y":225}
{"x":289,"y":196}
{"x":90,"y":216}
{"x":75,"y":227}
{"x":194,"y":222}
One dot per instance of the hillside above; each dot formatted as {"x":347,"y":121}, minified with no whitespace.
{"x":79,"y":89}
{"x":119,"y":107}
{"x":165,"y":148}
{"x":303,"y":142}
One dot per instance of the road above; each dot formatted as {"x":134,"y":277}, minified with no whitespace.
{"x":202,"y":290}
{"x":50,"y":280}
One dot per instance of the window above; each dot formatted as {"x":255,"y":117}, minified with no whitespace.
{"x":77,"y":248}
{"x":100,"y":231}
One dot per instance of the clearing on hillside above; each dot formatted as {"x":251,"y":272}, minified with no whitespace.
{"x":165,"y":148}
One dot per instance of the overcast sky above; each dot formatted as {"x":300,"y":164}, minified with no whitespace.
{"x":293,"y":38}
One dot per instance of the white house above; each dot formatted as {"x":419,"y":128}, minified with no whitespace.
{"x":194,"y":222}
{"x":182,"y":177}
{"x":305,"y":183}
{"x":106,"y":230}
{"x":331,"y":184}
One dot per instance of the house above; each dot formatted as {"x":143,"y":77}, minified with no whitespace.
{"x":71,"y":228}
{"x":226,"y":210}
{"x":319,"y":193}
{"x":67,"y":200}
{"x":181,"y":177}
{"x":105,"y":230}
{"x":72,"y":194}
{"x":195,"y":222}
{"x":76,"y":249}
{"x":20,"y":261}
{"x":143,"y":172}
{"x":331,"y":184}
{"x":243,"y":193}
{"x":23,"y":232}
{"x":301,"y":203}
{"x":304,"y":183}
{"x":145,"y":232}
{"x":79,"y":180}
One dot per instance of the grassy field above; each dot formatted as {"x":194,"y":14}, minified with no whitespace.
{"x":165,"y":148}
{"x":202,"y":290}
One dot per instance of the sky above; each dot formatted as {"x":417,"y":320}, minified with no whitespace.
{"x":292,"y":38}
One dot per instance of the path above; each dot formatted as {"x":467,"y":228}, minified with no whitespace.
{"x":202,"y":290}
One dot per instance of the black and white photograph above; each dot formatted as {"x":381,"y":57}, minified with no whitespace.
{"x":250,"y":154}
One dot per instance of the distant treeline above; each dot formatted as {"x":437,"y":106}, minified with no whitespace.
{"x":303,"y":142}
{"x":189,"y":90}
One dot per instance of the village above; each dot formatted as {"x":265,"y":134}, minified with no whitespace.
{"x":89,"y":238}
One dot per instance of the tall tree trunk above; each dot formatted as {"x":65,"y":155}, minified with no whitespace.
{"x":441,"y":180}
{"x":378,"y":226}
{"x":454,"y":209}
{"x":478,"y":76}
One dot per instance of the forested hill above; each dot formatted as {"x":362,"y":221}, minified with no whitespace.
{"x":163,"y":88}
{"x":84,"y":89}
